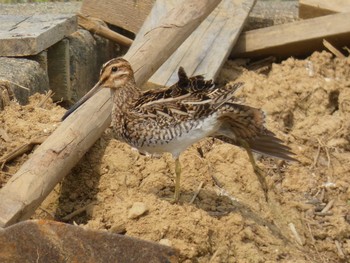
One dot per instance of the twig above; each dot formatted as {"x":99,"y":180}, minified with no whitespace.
{"x":317,"y":156}
{"x":323,"y":214}
{"x":197,"y":192}
{"x":333,"y":49}
{"x":339,"y":249}
{"x":295,"y":234}
{"x":16,"y":84}
{"x":217,"y":182}
{"x":47,"y":96}
{"x":78,"y":211}
{"x":214,"y":256}
{"x":328,"y":206}
{"x":21,"y":150}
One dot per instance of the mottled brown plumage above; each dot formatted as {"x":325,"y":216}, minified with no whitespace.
{"x":171,"y":119}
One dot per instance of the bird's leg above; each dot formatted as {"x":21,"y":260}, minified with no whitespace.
{"x":258,"y":172}
{"x":177,"y":179}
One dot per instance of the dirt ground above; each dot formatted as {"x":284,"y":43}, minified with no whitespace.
{"x":308,"y":106}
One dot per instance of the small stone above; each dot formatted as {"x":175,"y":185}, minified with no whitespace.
{"x":118,"y":228}
{"x":165,"y":242}
{"x":137,"y":210}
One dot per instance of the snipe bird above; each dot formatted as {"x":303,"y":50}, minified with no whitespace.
{"x":173,"y":118}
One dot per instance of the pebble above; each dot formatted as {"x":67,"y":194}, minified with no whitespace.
{"x":137,"y":210}
{"x":165,"y":242}
{"x":118,"y":228}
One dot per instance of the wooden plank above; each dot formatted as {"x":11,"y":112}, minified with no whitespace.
{"x":59,"y":70}
{"x":294,"y":39}
{"x":29,"y":35}
{"x":127,"y":14}
{"x":53,"y":159}
{"x":205,"y":51}
{"x":315,"y":8}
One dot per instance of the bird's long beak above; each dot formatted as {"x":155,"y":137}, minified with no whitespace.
{"x":87,"y":96}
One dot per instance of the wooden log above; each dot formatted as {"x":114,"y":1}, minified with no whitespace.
{"x":29,"y":35}
{"x":205,"y":51}
{"x":68,"y":143}
{"x":95,"y":27}
{"x":315,"y":8}
{"x":127,"y":14}
{"x":299,"y":38}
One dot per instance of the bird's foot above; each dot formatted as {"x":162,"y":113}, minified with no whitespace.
{"x":171,"y":200}
{"x":262,"y":180}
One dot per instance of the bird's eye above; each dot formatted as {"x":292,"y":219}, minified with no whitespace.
{"x":114,"y":69}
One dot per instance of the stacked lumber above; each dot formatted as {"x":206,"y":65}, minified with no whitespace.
{"x":299,"y":38}
{"x":326,"y":20}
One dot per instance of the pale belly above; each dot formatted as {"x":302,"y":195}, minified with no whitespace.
{"x":178,"y":144}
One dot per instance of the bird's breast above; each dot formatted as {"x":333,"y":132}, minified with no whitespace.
{"x":153,"y":139}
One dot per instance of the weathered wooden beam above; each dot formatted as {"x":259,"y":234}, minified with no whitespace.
{"x":29,"y":35}
{"x":127,"y":14}
{"x":315,"y":8}
{"x":69,"y":142}
{"x":58,"y":59}
{"x":205,"y":51}
{"x":294,"y":39}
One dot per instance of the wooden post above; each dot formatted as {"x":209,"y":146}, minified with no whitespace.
{"x":64,"y":148}
{"x":59,"y":70}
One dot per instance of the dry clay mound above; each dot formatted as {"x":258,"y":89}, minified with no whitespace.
{"x":308,"y":106}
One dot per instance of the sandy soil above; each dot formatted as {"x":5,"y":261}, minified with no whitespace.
{"x":308,"y":106}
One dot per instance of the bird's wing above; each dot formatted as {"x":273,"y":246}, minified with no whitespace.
{"x":188,"y":99}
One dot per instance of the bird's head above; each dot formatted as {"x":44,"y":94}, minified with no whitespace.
{"x":115,"y":74}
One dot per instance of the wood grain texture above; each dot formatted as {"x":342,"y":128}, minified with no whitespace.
{"x":205,"y":51}
{"x":59,"y":70}
{"x":294,"y":39}
{"x":29,"y":35}
{"x":315,"y":8}
{"x":63,"y":149}
{"x":127,"y":14}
